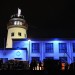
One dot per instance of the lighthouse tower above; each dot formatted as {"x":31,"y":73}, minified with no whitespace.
{"x":17,"y":28}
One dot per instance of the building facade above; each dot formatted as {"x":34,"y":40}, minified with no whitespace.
{"x":18,"y":46}
{"x":62,"y":49}
{"x":39,"y":49}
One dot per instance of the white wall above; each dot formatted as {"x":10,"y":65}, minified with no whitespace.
{"x":15,"y":30}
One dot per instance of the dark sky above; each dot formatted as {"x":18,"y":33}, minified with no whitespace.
{"x":46,"y":18}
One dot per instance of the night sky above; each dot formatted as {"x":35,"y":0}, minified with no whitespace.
{"x":45,"y":18}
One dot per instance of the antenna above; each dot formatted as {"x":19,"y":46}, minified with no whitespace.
{"x":19,"y":12}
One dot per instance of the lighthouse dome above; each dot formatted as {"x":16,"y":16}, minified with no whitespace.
{"x":17,"y":20}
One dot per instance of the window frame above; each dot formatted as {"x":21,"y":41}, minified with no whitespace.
{"x":12,"y":34}
{"x":49,"y":49}
{"x":35,"y":49}
{"x":62,"y":49}
{"x":19,"y":33}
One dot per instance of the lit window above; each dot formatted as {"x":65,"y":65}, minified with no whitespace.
{"x":19,"y":34}
{"x":74,"y":47}
{"x":35,"y":47}
{"x":62,"y":47}
{"x":12,"y":34}
{"x":17,"y":23}
{"x":20,"y":23}
{"x":49,"y":47}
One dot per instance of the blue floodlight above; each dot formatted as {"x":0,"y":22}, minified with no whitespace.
{"x":29,"y":40}
{"x":56,"y":40}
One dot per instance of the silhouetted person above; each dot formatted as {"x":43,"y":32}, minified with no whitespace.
{"x":31,"y":65}
{"x":66,"y":66}
{"x":40,"y":65}
{"x":72,"y":66}
{"x":48,"y":64}
{"x":34,"y":64}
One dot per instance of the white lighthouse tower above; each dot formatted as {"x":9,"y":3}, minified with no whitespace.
{"x":17,"y":28}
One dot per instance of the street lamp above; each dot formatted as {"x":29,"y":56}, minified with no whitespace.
{"x":29,"y":49}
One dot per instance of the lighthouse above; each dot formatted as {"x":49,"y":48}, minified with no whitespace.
{"x":17,"y":28}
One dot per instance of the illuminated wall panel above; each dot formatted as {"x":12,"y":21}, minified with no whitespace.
{"x":42,"y":54}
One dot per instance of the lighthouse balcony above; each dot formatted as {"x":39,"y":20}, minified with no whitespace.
{"x":19,"y":26}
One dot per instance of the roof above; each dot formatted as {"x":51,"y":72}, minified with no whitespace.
{"x":43,"y":39}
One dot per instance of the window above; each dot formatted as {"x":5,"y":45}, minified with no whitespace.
{"x":49,"y":57}
{"x":62,"y":47}
{"x":74,"y":47}
{"x":19,"y":34}
{"x":49,"y":47}
{"x":17,"y":23}
{"x":12,"y":34}
{"x":20,"y":23}
{"x":63,"y":59}
{"x":36,"y":58}
{"x":35,"y":47}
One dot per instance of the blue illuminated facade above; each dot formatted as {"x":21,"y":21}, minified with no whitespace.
{"x":39,"y":49}
{"x":13,"y":53}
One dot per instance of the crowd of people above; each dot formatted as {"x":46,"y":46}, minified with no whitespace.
{"x":14,"y":65}
{"x":34,"y":65}
{"x":47,"y":64}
